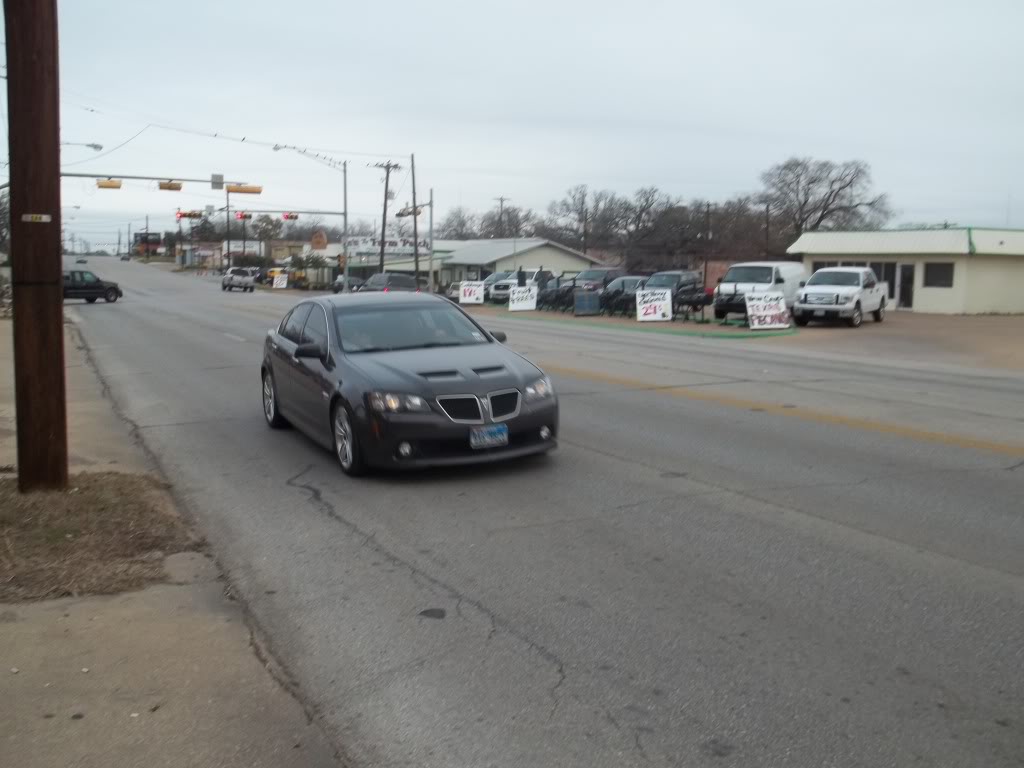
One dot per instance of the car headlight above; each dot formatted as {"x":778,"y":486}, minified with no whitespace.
{"x":541,"y":389}
{"x":390,"y":402}
{"x":848,"y":299}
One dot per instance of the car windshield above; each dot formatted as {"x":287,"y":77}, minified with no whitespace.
{"x":592,"y":274}
{"x":668,"y":280}
{"x":491,"y":279}
{"x":748,"y":275}
{"x":378,"y":280}
{"x":833,"y":277}
{"x":389,"y":328}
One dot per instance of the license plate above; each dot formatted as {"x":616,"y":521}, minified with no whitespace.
{"x":492,"y":436}
{"x":819,"y":313}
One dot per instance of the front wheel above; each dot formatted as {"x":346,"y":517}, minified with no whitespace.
{"x":800,"y":320}
{"x":273,"y":416}
{"x":857,"y":317}
{"x":879,"y":314}
{"x":110,"y":296}
{"x":223,"y":287}
{"x":720,"y":315}
{"x":346,"y":444}
{"x":91,"y":300}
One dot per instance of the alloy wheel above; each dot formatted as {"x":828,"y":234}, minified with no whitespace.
{"x":343,"y":437}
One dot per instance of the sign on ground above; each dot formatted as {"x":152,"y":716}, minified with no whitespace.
{"x":654,"y":305}
{"x":471,"y":292}
{"x":522,"y":299}
{"x":281,"y":281}
{"x":767,"y":311}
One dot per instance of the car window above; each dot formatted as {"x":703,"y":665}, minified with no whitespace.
{"x":67,"y":278}
{"x":749,"y":275}
{"x":834,"y":277}
{"x":89,"y":277}
{"x":616,"y":284}
{"x":386,"y":328}
{"x":377,"y":281}
{"x":315,"y":331}
{"x":401,"y":281}
{"x":292,"y":326}
{"x":664,"y":280}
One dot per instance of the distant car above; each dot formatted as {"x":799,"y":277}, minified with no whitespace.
{"x":83,"y":284}
{"x":757,"y":277}
{"x":81,"y":260}
{"x":453,"y":291}
{"x":841,"y":293}
{"x":620,"y":294}
{"x":238,"y":277}
{"x":389,"y":281}
{"x":500,"y":290}
{"x":491,"y":279}
{"x":361,"y":375}
{"x":687,"y":288}
{"x":125,"y":257}
{"x":597,"y":279}
{"x":354,"y":283}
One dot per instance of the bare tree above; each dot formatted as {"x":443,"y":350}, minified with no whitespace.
{"x":638,"y":217}
{"x":806,"y":195}
{"x":583,"y":219}
{"x":267,"y":228}
{"x":459,"y":224}
{"x":361,"y":228}
{"x":513,"y":221}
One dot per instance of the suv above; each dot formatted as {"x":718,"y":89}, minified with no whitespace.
{"x":390,"y":281}
{"x":238,"y":277}
{"x":598,"y":279}
{"x":83,"y":284}
{"x":687,"y":288}
{"x":501,"y":288}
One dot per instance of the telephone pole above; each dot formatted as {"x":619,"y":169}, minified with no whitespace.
{"x":501,"y":215}
{"x":344,"y":224}
{"x":37,"y":266}
{"x":767,"y":228}
{"x":415,"y":218}
{"x":388,"y":167}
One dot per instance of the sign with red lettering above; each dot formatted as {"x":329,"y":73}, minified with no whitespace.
{"x":767,"y":311}
{"x":471,"y":292}
{"x":654,"y":305}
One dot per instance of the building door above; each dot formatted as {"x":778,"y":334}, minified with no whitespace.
{"x":905,"y":286}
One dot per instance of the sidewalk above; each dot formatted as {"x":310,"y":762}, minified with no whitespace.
{"x":166,"y":675}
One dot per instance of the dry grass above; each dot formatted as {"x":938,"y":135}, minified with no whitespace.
{"x":107,"y":533}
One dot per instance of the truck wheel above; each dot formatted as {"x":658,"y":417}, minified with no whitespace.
{"x":91,"y":300}
{"x":110,"y":296}
{"x":857,"y":317}
{"x":879,"y":314}
{"x":800,"y":320}
{"x":720,"y":315}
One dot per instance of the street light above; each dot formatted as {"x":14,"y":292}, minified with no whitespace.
{"x":90,"y":145}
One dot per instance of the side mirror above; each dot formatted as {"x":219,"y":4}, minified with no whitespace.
{"x":780,"y":280}
{"x":803,"y":283}
{"x":499,"y":336}
{"x":720,"y":279}
{"x":309,"y":351}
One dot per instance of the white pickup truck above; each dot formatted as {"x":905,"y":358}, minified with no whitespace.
{"x":238,"y":277}
{"x":846,"y":293}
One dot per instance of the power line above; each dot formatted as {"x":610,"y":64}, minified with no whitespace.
{"x":109,"y":151}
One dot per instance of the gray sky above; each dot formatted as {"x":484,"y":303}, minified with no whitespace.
{"x":527,"y":99}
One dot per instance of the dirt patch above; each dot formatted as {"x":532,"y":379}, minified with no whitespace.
{"x":107,"y":533}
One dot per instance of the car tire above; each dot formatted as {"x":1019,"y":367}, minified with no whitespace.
{"x":270,"y":403}
{"x":801,"y":321}
{"x":110,"y":296}
{"x":857,"y":317}
{"x":879,"y":314}
{"x":91,"y":300}
{"x":720,"y":315}
{"x":346,"y":444}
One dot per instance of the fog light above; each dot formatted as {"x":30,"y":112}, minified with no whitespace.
{"x":545,"y":433}
{"x":404,"y":450}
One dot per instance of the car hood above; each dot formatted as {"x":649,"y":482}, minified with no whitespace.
{"x":474,"y":369}
{"x":728,"y":288}
{"x":829,"y":290}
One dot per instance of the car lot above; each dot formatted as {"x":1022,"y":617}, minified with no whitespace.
{"x":780,"y":550}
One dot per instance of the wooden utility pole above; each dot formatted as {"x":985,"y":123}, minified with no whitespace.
{"x":415,"y":217}
{"x":37,"y":263}
{"x":501,"y":215}
{"x":388,"y":168}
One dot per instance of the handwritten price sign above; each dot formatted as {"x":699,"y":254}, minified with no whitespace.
{"x":522,"y":299}
{"x":767,"y":311}
{"x":471,"y":293}
{"x":654,"y":305}
{"x":280,"y":281}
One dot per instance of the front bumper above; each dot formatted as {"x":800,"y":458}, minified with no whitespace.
{"x":730,"y":304}
{"x":437,"y":441}
{"x":823,"y":311}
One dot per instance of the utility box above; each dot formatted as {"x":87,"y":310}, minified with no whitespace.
{"x":586,"y":303}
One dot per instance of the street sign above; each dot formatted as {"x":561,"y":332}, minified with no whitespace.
{"x":217,"y":181}
{"x":654,"y":305}
{"x":766,"y":311}
{"x":318,"y":241}
{"x":522,"y":299}
{"x":471,"y":292}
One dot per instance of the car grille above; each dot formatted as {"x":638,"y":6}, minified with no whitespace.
{"x":504,"y":405}
{"x":822,"y":300}
{"x":462,"y":408}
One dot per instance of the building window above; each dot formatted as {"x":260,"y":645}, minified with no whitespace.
{"x":938,"y":275}
{"x":816,"y":265}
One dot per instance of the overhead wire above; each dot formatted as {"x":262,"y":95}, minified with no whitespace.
{"x":109,"y":151}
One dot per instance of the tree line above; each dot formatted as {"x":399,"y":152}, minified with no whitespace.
{"x":651,"y":229}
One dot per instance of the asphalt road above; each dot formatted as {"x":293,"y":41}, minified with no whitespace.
{"x":741,"y":554}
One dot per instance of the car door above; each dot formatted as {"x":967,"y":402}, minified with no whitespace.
{"x":312,"y":375}
{"x":69,"y":286}
{"x":91,"y":286}
{"x":284,"y":362}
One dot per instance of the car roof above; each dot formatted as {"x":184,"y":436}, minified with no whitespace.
{"x":766,"y":264}
{"x":673,"y":272}
{"x":841,"y":269}
{"x":379,"y":298}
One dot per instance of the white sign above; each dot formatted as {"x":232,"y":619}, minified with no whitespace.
{"x":471,"y":292}
{"x":767,"y":311}
{"x":654,"y":305}
{"x":281,"y":281}
{"x":522,"y":299}
{"x":36,"y":218}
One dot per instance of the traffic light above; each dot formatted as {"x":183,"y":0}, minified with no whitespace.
{"x":188,"y":215}
{"x":178,"y":215}
{"x":243,"y":215}
{"x":290,"y":216}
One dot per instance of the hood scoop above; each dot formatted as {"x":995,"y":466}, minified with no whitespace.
{"x":440,"y":375}
{"x":493,"y":370}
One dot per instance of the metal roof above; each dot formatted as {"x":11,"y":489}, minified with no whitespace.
{"x":480,"y":253}
{"x":946,"y":242}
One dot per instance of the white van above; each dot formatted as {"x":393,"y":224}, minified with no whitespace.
{"x":757,"y":277}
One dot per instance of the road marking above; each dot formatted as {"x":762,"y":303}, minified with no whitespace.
{"x":799,"y":412}
{"x":232,"y":336}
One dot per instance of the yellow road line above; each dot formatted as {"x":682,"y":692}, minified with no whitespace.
{"x":799,"y":412}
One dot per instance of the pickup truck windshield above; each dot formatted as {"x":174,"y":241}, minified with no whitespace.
{"x":826,"y":277}
{"x":748,"y":275}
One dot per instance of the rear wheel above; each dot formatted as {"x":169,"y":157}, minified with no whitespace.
{"x":110,"y":296}
{"x":879,"y":314}
{"x":274,"y":418}
{"x":346,"y":445}
{"x":857,"y":317}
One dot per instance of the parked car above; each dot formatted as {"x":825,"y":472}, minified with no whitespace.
{"x":687,"y":289}
{"x":756,"y":277}
{"x":453,"y":291}
{"x":491,"y":279}
{"x":389,"y":281}
{"x":501,"y":288}
{"x":354,"y":283}
{"x":597,"y":279}
{"x":81,"y":260}
{"x":841,"y":293}
{"x":125,"y":257}
{"x":620,"y":294}
{"x":352,"y":372}
{"x":83,"y":284}
{"x":238,"y":277}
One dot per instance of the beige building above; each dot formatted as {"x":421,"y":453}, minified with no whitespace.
{"x":968,"y":270}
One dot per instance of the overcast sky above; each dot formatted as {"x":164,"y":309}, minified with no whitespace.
{"x":526,"y":99}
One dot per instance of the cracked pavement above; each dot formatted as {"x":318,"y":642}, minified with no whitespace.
{"x":708,"y":572}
